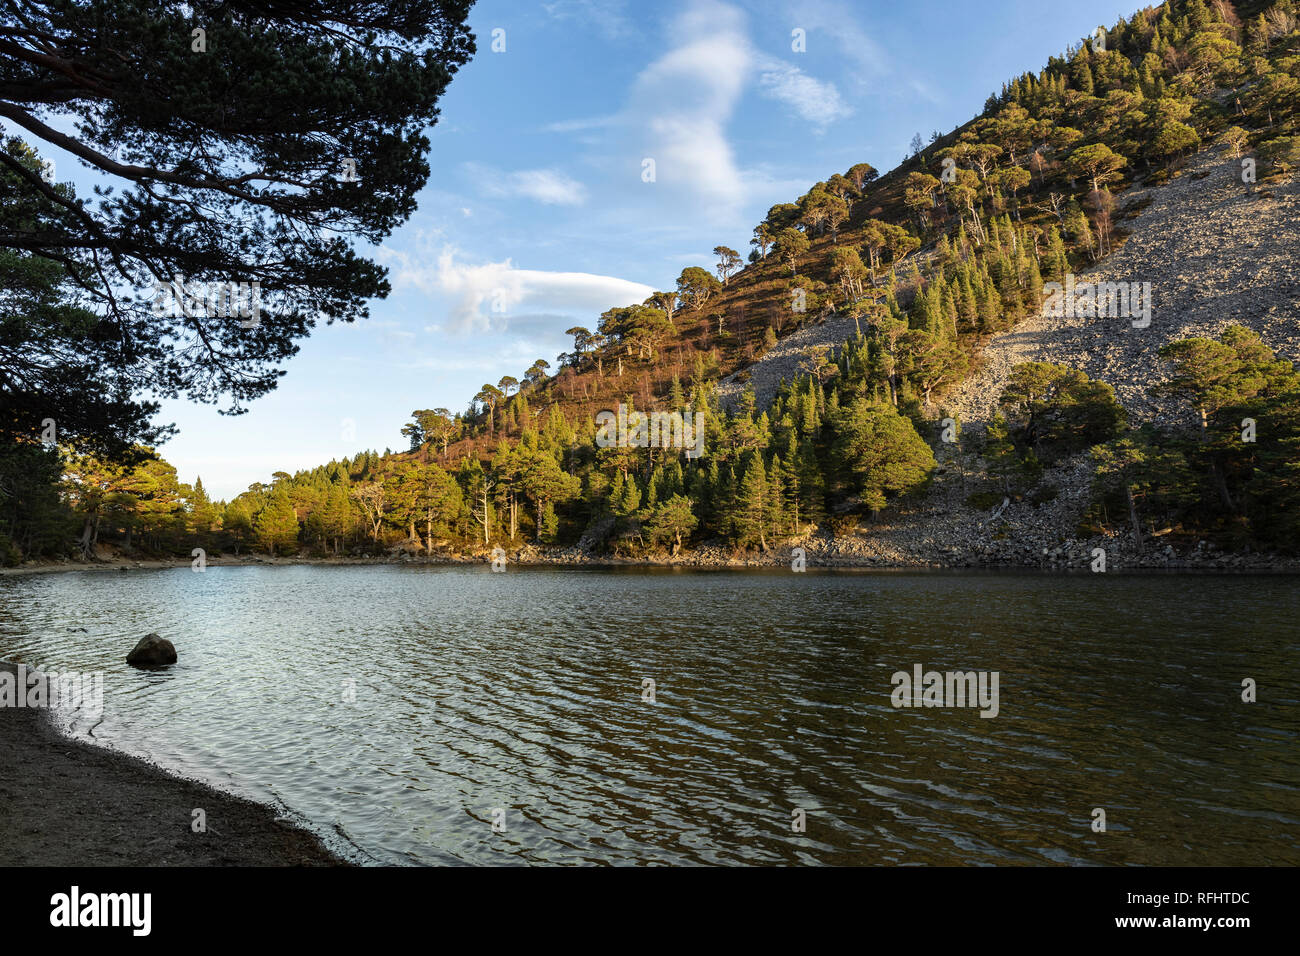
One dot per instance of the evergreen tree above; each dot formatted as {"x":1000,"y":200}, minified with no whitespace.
{"x":276,"y":525}
{"x":750,"y":517}
{"x":880,"y":452}
{"x":243,"y":182}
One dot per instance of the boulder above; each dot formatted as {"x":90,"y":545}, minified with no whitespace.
{"x":152,"y":651}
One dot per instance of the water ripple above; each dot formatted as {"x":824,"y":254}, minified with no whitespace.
{"x":452,"y":715}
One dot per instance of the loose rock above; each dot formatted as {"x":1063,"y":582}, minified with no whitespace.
{"x":152,"y":651}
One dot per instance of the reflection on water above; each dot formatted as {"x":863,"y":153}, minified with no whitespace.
{"x":400,"y":707}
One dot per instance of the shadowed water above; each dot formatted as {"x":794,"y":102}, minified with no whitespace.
{"x":523,"y":692}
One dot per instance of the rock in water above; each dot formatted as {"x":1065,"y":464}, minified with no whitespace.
{"x":152,"y":651}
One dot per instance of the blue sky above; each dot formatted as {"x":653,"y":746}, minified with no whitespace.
{"x":537,"y":218}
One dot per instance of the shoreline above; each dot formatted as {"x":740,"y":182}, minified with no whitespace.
{"x":65,"y":802}
{"x":820,"y":554}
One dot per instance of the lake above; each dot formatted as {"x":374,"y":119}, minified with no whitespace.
{"x":443,"y":715}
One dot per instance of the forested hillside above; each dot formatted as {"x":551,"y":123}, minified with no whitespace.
{"x":923,"y":265}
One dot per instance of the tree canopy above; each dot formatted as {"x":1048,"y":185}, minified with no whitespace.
{"x":238,"y":143}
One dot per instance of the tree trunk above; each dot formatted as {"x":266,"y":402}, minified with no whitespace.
{"x":89,"y":537}
{"x":1133,"y":516}
{"x":1221,"y":485}
{"x":1216,"y":473}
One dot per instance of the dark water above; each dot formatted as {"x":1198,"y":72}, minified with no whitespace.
{"x":523,"y":692}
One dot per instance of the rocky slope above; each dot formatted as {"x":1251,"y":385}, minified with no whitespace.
{"x":1215,"y":251}
{"x":785,"y":360}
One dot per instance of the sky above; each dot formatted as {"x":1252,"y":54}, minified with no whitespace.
{"x":538,"y":214}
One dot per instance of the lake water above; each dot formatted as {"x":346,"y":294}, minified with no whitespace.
{"x":403,"y":711}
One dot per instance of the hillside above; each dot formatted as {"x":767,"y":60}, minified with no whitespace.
{"x":875,"y":308}
{"x":1218,"y":253}
{"x":1215,"y":251}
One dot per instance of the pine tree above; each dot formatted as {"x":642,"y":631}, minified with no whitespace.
{"x":702,"y":484}
{"x":311,"y":85}
{"x":237,"y":524}
{"x":1000,"y":452}
{"x":673,"y":520}
{"x":812,"y":484}
{"x":750,"y":517}
{"x":203,"y":512}
{"x":775,"y":503}
{"x":1033,"y":285}
{"x":791,"y":485}
{"x":676,"y":400}
{"x":1057,"y":262}
{"x":339,"y":518}
{"x":968,"y":309}
{"x":652,"y":489}
{"x":627,"y":497}
{"x":880,"y":452}
{"x":276,"y":525}
{"x":724,"y":498}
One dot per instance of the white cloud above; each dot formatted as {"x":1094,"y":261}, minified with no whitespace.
{"x":681,"y":104}
{"x":684,"y":99}
{"x":491,"y":294}
{"x":606,"y":15}
{"x":580,"y":125}
{"x":814,"y":100}
{"x":549,"y":186}
{"x":925,"y":92}
{"x":837,"y":21}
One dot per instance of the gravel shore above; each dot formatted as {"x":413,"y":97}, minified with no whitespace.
{"x":66,"y":803}
{"x":935,"y":532}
